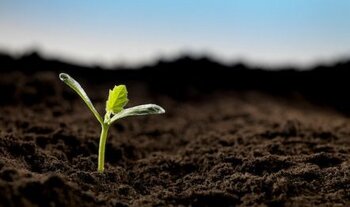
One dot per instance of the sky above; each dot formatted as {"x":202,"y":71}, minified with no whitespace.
{"x":136,"y":32}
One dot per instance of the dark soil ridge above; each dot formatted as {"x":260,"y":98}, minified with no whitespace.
{"x":215,"y":146}
{"x":327,"y":85}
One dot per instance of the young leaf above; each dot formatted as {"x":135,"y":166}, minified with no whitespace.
{"x":67,"y":79}
{"x":145,"y":109}
{"x":117,"y":99}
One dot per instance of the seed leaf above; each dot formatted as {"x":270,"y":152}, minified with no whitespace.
{"x":67,"y":79}
{"x":146,"y":109}
{"x":117,"y":99}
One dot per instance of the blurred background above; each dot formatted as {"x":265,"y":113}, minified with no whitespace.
{"x":271,"y":33}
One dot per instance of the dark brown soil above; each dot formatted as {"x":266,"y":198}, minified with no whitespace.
{"x":223,"y":148}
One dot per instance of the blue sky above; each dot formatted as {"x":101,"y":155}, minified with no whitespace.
{"x":271,"y":32}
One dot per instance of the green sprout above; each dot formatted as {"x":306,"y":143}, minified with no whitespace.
{"x":117,"y":99}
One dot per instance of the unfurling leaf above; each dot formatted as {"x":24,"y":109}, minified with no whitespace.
{"x":117,"y":99}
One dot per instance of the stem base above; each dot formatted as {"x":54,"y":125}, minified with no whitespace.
{"x":102,"y":148}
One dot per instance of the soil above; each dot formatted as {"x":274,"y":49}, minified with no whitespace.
{"x":221,"y":148}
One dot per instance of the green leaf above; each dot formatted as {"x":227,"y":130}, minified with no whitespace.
{"x":146,"y":109}
{"x":67,"y":79}
{"x":117,"y":99}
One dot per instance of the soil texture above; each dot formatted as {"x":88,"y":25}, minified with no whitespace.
{"x":220,"y":148}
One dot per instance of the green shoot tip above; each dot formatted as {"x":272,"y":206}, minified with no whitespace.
{"x":64,"y":77}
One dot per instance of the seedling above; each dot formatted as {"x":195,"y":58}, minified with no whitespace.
{"x":117,"y":99}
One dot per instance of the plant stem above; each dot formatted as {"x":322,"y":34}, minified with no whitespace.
{"x":102,"y":146}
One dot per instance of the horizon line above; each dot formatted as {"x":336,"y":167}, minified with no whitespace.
{"x":173,"y":57}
